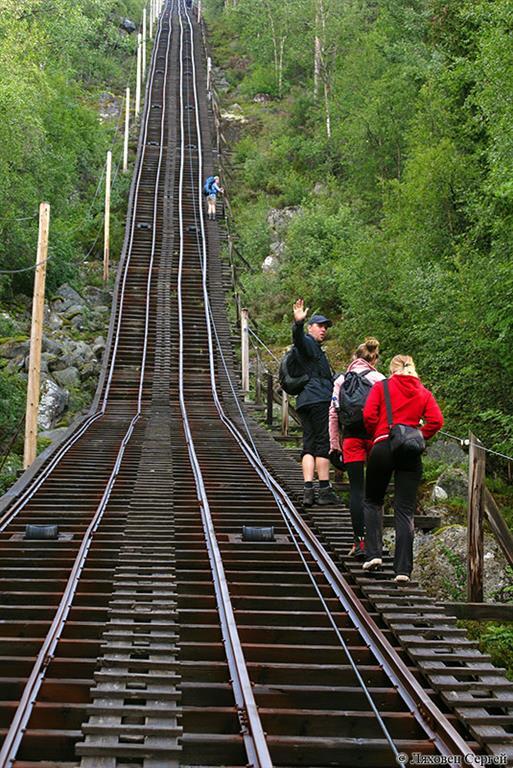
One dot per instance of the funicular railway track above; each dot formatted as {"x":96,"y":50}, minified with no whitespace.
{"x":151,"y":634}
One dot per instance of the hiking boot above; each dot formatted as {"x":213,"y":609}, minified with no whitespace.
{"x":327,"y":496}
{"x":373,"y":565}
{"x":308,"y":497}
{"x":402,"y":578}
{"x":358,"y":549}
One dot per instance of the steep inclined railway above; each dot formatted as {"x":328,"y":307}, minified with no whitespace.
{"x":151,"y":634}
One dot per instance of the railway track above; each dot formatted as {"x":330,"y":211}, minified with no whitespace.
{"x":151,"y":633}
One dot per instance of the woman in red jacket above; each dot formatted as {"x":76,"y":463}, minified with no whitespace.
{"x":412,"y":405}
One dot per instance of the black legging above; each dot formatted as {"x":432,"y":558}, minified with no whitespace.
{"x":356,"y":475}
{"x":382,"y":463}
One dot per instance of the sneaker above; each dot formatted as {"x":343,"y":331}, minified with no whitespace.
{"x":358,"y":549}
{"x":308,"y":497}
{"x":327,"y":496}
{"x":372,"y":565}
{"x":401,"y":578}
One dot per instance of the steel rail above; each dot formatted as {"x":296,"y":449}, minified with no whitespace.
{"x":29,"y":492}
{"x":249,"y":718}
{"x":23,"y":712}
{"x":428,"y":715}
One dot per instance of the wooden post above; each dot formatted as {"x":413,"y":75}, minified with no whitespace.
{"x":476,"y":487}
{"x":258,"y":379}
{"x":209,"y":73}
{"x":138,"y":81}
{"x":244,"y":349}
{"x":36,"y":338}
{"x":150,"y":29}
{"x":284,"y":413}
{"x":143,"y":73}
{"x":106,"y":236}
{"x":127,"y":131}
{"x":199,"y":11}
{"x":270,"y":399}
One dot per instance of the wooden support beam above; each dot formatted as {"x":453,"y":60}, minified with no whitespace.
{"x":127,"y":131}
{"x":106,"y":233}
{"x":258,"y":379}
{"x":36,"y":338}
{"x":475,"y":537}
{"x":143,"y":71}
{"x":244,"y":349}
{"x":138,"y":76}
{"x":499,"y":526}
{"x":480,"y":611}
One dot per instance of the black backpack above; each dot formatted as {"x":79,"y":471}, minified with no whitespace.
{"x":352,"y":396}
{"x":292,"y":375}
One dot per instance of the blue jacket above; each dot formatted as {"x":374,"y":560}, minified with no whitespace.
{"x":320,"y":387}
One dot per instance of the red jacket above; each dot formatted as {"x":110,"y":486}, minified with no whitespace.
{"x":411,"y":402}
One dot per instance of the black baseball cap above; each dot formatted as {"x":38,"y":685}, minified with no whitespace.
{"x":320,"y":320}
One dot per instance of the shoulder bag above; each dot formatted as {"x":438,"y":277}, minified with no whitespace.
{"x":403,"y":438}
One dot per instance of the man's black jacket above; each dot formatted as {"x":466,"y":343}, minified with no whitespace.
{"x":319,"y":388}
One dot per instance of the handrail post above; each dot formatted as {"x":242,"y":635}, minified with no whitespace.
{"x":476,"y":487}
{"x":284,"y":413}
{"x":270,"y":399}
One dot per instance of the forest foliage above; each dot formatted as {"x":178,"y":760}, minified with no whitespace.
{"x":406,"y":194}
{"x":58,"y":58}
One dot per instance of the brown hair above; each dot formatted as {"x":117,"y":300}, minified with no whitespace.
{"x":368,"y":351}
{"x":403,"y":365}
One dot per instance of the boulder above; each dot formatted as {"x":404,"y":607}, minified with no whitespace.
{"x":50,"y":345}
{"x":65,"y":297}
{"x":110,"y":106}
{"x":220,"y":80}
{"x":440,"y":564}
{"x":71,"y":312}
{"x":53,"y":434}
{"x":54,"y":322}
{"x":447,"y":452}
{"x":127,"y":25}
{"x":262,"y":98}
{"x":233,"y":115}
{"x":78,"y":322}
{"x":454,"y":482}
{"x":79,"y":354}
{"x":279,"y":219}
{"x":53,"y":403}
{"x":68,"y":377}
{"x":15,"y":348}
{"x":270,"y":264}
{"x":16,"y":364}
{"x":49,"y":360}
{"x":439,"y":494}
{"x":99,"y":347}
{"x":97,"y":296}
{"x":90,"y":370}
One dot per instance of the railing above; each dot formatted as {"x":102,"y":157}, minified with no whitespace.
{"x":259,"y":384}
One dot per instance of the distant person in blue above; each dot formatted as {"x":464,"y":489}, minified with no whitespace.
{"x":211,"y":190}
